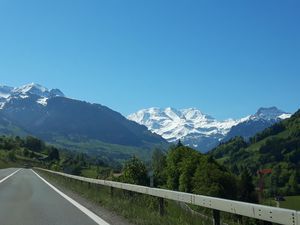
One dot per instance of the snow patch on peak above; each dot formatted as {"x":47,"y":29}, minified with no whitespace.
{"x":285,"y":116}
{"x":42,"y":101}
{"x":2,"y":105}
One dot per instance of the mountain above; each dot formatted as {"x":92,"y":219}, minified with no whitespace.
{"x":200,"y":130}
{"x":42,"y":94}
{"x":51,"y":116}
{"x":276,"y":147}
{"x":263,"y":118}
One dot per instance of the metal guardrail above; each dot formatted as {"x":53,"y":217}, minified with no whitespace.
{"x":260,"y":212}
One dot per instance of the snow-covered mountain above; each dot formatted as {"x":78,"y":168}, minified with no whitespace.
{"x":42,"y":94}
{"x":195,"y":128}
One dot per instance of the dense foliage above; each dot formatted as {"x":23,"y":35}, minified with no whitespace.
{"x":277,"y":148}
{"x":187,"y":170}
{"x":28,"y":151}
{"x":134,"y":172}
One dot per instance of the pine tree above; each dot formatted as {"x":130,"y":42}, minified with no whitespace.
{"x":246,"y":187}
{"x":179,"y":144}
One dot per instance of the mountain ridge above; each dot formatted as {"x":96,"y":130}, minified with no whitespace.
{"x":50,"y":115}
{"x":200,"y":130}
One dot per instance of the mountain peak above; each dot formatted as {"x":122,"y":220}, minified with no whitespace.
{"x":31,"y":88}
{"x":39,"y":90}
{"x":268,"y":109}
{"x":270,"y":113}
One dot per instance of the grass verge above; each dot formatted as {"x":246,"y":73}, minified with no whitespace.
{"x":137,"y":208}
{"x":142,"y":209}
{"x":291,"y":202}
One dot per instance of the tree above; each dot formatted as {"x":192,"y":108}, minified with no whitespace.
{"x":26,"y":152}
{"x":179,"y":144}
{"x":246,"y":187}
{"x":135,"y":172}
{"x":32,"y":155}
{"x":53,"y":154}
{"x":11,"y":156}
{"x":19,"y":141}
{"x":214,"y":180}
{"x":159,"y":167}
{"x":174,"y":160}
{"x":293,"y":184}
{"x":9,"y":144}
{"x":34,"y":144}
{"x":187,"y":170}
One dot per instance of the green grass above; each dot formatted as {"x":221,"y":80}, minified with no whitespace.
{"x":291,"y":202}
{"x":91,"y":172}
{"x":137,"y":208}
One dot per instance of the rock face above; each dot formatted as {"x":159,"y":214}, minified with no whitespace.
{"x":200,"y":130}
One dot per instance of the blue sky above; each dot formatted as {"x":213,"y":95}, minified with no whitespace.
{"x":226,"y":58}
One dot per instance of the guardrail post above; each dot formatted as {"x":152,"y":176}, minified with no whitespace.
{"x":111,"y":192}
{"x":216,"y":217}
{"x":161,"y":206}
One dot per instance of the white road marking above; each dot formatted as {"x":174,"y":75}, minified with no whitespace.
{"x":5,"y":178}
{"x":83,"y":209}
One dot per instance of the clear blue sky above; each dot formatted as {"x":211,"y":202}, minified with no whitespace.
{"x":226,"y":58}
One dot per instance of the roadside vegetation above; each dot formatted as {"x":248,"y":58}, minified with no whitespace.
{"x":276,"y":148}
{"x":137,"y":208}
{"x":33,"y":152}
{"x":30,"y":151}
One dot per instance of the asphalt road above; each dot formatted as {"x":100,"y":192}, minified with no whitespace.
{"x":25,"y":199}
{"x":6,"y":172}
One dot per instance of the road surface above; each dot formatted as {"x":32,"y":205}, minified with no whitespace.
{"x":5,"y":172}
{"x":26,"y":199}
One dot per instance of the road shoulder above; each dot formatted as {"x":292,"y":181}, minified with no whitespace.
{"x":107,"y":215}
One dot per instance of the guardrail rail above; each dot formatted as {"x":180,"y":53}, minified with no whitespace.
{"x":256,"y":211}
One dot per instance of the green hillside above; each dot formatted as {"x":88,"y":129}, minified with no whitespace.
{"x":30,"y":152}
{"x":277,"y":148}
{"x":109,"y":152}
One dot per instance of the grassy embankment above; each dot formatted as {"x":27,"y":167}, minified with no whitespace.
{"x":141,"y":209}
{"x":137,"y":208}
